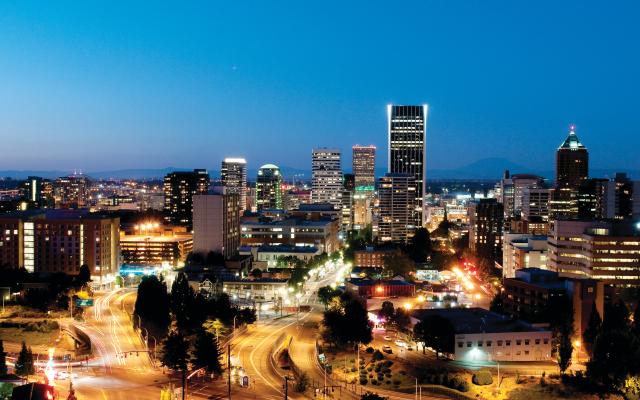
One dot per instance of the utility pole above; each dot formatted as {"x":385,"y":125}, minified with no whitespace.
{"x":229,"y":370}
{"x":286,"y":387}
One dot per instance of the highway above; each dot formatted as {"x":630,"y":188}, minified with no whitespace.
{"x":109,"y":374}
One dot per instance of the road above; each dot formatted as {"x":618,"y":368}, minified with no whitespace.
{"x":111,"y":375}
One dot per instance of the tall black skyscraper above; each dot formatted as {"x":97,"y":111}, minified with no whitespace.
{"x":407,"y":149}
{"x":572,"y":169}
{"x":179,"y":188}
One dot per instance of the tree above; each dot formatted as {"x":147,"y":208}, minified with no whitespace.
{"x":84,"y":276}
{"x":436,"y":332}
{"x":152,"y":304}
{"x":176,"y":354}
{"x":563,"y":331}
{"x":386,"y":311}
{"x":181,"y":300}
{"x":256,"y":273}
{"x":346,"y":322}
{"x":372,"y":396}
{"x":72,"y":392}
{"x":326,"y":294}
{"x":246,"y":315}
{"x":420,"y":247}
{"x":3,"y":360}
{"x":24,"y":363}
{"x":636,"y":319}
{"x":302,"y":383}
{"x":206,"y":352}
{"x":401,"y":319}
{"x":593,"y":329}
{"x":398,"y":263}
{"x":214,"y":259}
{"x":616,"y":356}
{"x":497,"y":303}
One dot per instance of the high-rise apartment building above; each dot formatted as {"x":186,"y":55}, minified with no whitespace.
{"x":51,"y":241}
{"x":348,"y":191}
{"x":72,"y":191}
{"x":179,"y":189}
{"x":326,"y":181}
{"x":535,"y":204}
{"x":485,"y":228}
{"x":407,"y":149}
{"x":216,"y":223}
{"x":363,"y":167}
{"x":397,"y":196}
{"x":572,"y":168}
{"x":234,"y":178}
{"x":510,"y":192}
{"x":269,"y":188}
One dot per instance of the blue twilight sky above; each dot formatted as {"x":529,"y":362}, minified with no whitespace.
{"x":98,"y":85}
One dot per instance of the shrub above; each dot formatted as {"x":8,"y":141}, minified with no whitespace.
{"x":388,"y":382}
{"x":374,"y":382}
{"x":363,"y":380}
{"x":387,"y":374}
{"x":370,"y":368}
{"x":403,"y":372}
{"x":459,"y":383}
{"x":377,"y":355}
{"x":369,"y":350}
{"x":396,"y":382}
{"x":378,"y":367}
{"x":482,"y":378}
{"x":353,"y":369}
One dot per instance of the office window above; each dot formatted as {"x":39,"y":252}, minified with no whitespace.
{"x":546,"y":341}
{"x":508,"y":343}
{"x":526,"y":352}
{"x":460,"y":344}
{"x":518,"y":342}
{"x":479,"y":343}
{"x":526,"y":342}
{"x":468,"y":344}
{"x":537,"y":341}
{"x":499,"y":342}
{"x":488,"y":343}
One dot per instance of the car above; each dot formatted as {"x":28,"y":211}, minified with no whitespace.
{"x":400,"y":343}
{"x":62,"y":375}
{"x":410,"y":347}
{"x":387,"y":349}
{"x":387,"y":338}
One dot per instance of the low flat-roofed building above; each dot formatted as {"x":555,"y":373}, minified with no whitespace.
{"x":271,"y":254}
{"x":322,"y":234}
{"x":368,"y":288}
{"x":259,"y":289}
{"x":482,"y":335}
{"x":370,"y":257}
{"x":533,"y":293}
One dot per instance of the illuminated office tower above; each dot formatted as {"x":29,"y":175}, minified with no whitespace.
{"x":397,"y":196}
{"x":326,"y":183}
{"x":363,"y":165}
{"x":572,"y":169}
{"x":234,"y":178}
{"x":269,"y":188}
{"x":179,"y":189}
{"x":407,"y":149}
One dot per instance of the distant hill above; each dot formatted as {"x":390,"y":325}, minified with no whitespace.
{"x":488,"y":168}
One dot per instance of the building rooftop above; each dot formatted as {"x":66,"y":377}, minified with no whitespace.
{"x":155,"y":239}
{"x":291,"y":222}
{"x":54,"y":214}
{"x":476,"y":320}
{"x":287,"y":249}
{"x":572,"y":141}
{"x":384,"y":282}
{"x":249,"y":281}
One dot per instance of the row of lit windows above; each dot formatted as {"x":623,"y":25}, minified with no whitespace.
{"x":499,"y":343}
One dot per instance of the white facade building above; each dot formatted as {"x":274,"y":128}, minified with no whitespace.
{"x":326,"y":170}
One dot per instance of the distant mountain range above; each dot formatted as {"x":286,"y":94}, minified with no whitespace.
{"x":488,"y":168}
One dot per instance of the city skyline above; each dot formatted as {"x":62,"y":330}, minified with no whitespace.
{"x":119,"y":81}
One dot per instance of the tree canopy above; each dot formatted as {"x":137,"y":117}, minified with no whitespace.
{"x":346,"y":322}
{"x":436,"y":332}
{"x":176,"y":352}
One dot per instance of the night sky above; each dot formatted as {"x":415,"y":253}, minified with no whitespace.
{"x":111,"y":85}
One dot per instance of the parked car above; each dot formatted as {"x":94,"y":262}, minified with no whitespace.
{"x":387,"y":338}
{"x":400,"y":343}
{"x":387,"y":349}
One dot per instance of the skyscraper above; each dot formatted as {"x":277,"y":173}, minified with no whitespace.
{"x":269,"y":188}
{"x":179,"y":188}
{"x":485,"y":228}
{"x":407,"y":149}
{"x":572,"y":168}
{"x":363,"y":165}
{"x":397,"y":195}
{"x":234,"y":178}
{"x":326,"y":184}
